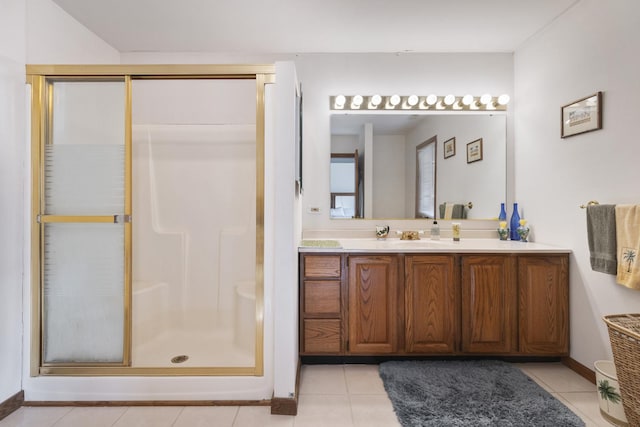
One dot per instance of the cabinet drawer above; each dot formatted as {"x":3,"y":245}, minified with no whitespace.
{"x":322,"y":297}
{"x":322,"y":266}
{"x":322,"y":336}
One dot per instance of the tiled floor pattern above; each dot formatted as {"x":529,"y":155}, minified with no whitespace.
{"x":330,"y":395}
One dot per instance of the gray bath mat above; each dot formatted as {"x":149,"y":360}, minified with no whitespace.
{"x":470,"y":393}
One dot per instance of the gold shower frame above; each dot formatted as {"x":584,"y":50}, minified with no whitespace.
{"x":40,"y":77}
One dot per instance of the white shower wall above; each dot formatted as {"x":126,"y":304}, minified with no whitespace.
{"x":194,"y":217}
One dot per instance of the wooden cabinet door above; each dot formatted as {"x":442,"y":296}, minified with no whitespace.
{"x":488,"y":304}
{"x":544,"y":305}
{"x":373,"y":304}
{"x":431,"y":304}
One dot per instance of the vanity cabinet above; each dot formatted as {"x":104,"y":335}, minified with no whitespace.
{"x":543,"y":309}
{"x":373,"y":304}
{"x":435,"y":303}
{"x":488,"y":304}
{"x":431,"y":304}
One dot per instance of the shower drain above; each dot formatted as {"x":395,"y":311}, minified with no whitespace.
{"x":180,"y":359}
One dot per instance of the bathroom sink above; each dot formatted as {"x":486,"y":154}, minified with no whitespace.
{"x":423,"y":241}
{"x":413,"y":244}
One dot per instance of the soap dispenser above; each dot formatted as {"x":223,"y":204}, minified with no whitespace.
{"x":435,"y":230}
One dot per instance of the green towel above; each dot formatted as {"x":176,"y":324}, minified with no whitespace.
{"x":320,"y":244}
{"x":601,"y":235}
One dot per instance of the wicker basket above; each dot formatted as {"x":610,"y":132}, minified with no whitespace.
{"x":624,"y":333}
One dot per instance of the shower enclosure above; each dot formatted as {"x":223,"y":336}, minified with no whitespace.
{"x":147,"y":231}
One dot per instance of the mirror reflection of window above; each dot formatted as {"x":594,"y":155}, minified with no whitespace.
{"x":426,"y":179}
{"x":344,"y":185}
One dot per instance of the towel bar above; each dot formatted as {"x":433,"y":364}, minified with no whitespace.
{"x":589,"y":203}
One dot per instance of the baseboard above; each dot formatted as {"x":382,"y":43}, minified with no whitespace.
{"x":147,"y":403}
{"x":580,"y":369}
{"x":287,"y":405}
{"x":284,"y":406}
{"x":11,"y":404}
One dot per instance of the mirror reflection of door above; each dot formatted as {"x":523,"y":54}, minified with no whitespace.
{"x":345,"y":180}
{"x":426,"y":178}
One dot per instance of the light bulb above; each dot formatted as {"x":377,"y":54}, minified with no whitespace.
{"x":449,"y":99}
{"x":503,"y":99}
{"x":485,"y":99}
{"x":412,"y":100}
{"x":394,"y":100}
{"x":467,"y":100}
{"x":339,"y":101}
{"x":431,"y":99}
{"x":356,"y":102}
{"x":374,"y":101}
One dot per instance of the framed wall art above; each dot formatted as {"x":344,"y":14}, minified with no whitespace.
{"x":449,"y":148}
{"x":474,"y":151}
{"x":583,"y":115}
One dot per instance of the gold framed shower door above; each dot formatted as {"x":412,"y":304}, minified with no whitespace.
{"x":41,"y":78}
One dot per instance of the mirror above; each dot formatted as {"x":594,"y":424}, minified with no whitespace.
{"x":468,"y":171}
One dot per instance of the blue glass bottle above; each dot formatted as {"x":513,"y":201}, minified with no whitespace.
{"x":515,"y":223}
{"x":503,"y":213}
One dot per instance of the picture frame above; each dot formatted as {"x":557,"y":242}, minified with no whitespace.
{"x":474,"y":151}
{"x":449,"y":148}
{"x":583,"y":115}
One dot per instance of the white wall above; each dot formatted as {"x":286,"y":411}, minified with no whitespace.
{"x":286,"y":230}
{"x":323,"y":75}
{"x":388,"y":186}
{"x":593,"y":47}
{"x":346,"y":144}
{"x":54,"y":37}
{"x":12,"y":170}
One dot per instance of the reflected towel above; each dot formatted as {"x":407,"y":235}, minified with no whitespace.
{"x":601,"y":234}
{"x":448,"y":210}
{"x":628,"y":237}
{"x":453,"y":211}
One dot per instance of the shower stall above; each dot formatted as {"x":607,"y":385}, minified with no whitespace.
{"x":147,"y":231}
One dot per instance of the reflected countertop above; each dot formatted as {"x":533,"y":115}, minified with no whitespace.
{"x":425,"y":245}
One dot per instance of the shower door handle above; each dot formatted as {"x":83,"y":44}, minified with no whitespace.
{"x":119,"y":219}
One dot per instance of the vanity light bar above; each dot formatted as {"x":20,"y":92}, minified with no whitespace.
{"x":485,"y":102}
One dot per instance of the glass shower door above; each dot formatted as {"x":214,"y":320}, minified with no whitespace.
{"x":84,"y":223}
{"x":194,"y":279}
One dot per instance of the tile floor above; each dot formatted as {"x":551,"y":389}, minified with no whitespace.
{"x":330,"y":395}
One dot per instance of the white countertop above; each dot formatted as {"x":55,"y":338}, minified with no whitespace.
{"x":445,"y":245}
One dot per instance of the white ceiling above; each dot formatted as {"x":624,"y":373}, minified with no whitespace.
{"x":306,"y":26}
